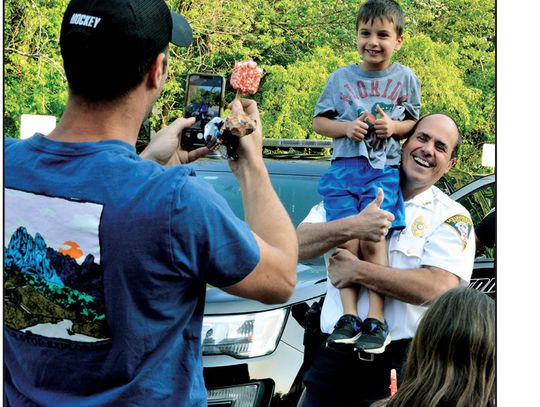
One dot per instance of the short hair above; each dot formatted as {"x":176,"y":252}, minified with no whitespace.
{"x":382,"y":9}
{"x":451,"y":359}
{"x":105,"y":80}
{"x":455,"y":151}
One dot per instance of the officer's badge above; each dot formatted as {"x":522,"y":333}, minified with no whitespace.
{"x":420,"y":227}
{"x":462,"y":225}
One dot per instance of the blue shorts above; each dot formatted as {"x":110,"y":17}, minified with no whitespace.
{"x":350,"y":184}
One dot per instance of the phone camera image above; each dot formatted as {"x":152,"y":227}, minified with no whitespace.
{"x":204,"y":101}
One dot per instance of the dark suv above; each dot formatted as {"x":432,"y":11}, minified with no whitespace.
{"x":253,"y":353}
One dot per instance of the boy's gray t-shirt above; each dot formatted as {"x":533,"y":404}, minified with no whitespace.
{"x":350,"y":90}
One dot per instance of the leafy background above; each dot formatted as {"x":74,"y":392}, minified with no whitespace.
{"x":449,"y":44}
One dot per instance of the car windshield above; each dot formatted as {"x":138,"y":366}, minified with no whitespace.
{"x":297,"y":193}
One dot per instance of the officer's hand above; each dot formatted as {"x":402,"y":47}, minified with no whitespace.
{"x":341,"y":268}
{"x":372,"y":223}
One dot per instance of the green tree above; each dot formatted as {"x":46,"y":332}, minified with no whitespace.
{"x":448,"y":43}
{"x":33,"y":71}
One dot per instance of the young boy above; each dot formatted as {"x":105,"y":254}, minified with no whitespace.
{"x":367,"y":108}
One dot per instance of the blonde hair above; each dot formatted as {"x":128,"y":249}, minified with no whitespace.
{"x":451,"y":362}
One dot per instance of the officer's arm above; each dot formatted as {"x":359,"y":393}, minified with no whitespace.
{"x":371,"y":224}
{"x":415,"y":286}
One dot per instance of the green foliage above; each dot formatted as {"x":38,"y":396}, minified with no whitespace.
{"x":470,"y":25}
{"x":444,"y":89}
{"x":448,"y":44}
{"x":33,"y":71}
{"x":290,"y":93}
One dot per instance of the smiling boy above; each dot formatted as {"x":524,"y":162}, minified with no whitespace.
{"x":367,"y":108}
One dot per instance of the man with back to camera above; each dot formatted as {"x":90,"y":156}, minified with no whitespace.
{"x":435,"y":252}
{"x":109,"y":253}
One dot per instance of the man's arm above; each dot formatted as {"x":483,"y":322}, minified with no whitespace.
{"x":372,"y":224}
{"x":274,"y":277}
{"x":415,"y":286}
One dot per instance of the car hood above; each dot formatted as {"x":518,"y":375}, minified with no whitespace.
{"x":311,"y":283}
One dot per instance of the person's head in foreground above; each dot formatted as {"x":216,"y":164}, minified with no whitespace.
{"x":451,"y":362}
{"x":109,"y":46}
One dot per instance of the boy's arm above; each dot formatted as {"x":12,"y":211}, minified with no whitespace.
{"x":355,"y":130}
{"x":402,"y":128}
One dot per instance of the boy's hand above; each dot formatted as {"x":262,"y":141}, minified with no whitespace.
{"x":357,"y":129}
{"x":384,"y":126}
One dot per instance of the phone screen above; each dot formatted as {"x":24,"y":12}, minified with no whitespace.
{"x":204,"y":101}
{"x":204,"y":98}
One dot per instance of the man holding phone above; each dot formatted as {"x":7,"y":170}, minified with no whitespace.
{"x":109,"y":253}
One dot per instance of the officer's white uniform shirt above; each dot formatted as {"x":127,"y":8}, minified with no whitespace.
{"x":439,"y":233}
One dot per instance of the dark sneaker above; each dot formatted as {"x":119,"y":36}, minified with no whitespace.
{"x":346,"y":332}
{"x":374,"y":338}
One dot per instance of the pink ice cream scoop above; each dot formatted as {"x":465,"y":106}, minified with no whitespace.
{"x":246,"y":77}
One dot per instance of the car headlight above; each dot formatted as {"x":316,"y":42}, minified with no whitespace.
{"x":243,"y":336}
{"x":256,"y":393}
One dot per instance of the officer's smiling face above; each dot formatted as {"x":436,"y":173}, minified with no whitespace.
{"x":427,"y":154}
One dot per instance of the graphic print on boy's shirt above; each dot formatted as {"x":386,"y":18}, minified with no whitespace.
{"x":365,"y":88}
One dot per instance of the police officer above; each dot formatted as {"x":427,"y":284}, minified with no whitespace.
{"x":435,"y":252}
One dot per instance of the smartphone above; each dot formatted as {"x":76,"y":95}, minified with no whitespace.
{"x":204,"y":101}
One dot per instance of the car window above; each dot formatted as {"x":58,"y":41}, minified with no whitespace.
{"x":297,"y":193}
{"x":454,"y":180}
{"x":480,"y":202}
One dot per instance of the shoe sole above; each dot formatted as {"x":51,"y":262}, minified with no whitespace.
{"x":343,"y":345}
{"x":377,"y":351}
{"x":347,"y":340}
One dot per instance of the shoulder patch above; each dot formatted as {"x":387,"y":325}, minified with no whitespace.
{"x":462,"y":225}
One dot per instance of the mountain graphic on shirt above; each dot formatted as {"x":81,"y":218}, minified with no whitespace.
{"x":43,"y":286}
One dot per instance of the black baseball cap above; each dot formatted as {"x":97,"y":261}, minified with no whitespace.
{"x":120,"y":29}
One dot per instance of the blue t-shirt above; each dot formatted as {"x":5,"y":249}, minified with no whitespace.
{"x":105,"y":274}
{"x":350,"y":91}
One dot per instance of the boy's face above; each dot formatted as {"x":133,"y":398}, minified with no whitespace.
{"x":377,"y":40}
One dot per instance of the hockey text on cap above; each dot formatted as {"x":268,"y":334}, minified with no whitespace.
{"x":83,"y":19}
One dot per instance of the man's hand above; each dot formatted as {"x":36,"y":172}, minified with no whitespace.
{"x":273,"y":279}
{"x":357,"y":129}
{"x":342,"y":268}
{"x":165,"y":147}
{"x":384,"y":126}
{"x":250,"y":146}
{"x":372,"y":223}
